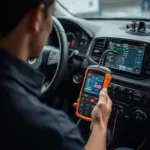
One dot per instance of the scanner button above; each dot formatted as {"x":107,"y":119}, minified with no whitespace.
{"x":81,"y":105}
{"x":87,"y":104}
{"x":92,"y":101}
{"x":96,"y":98}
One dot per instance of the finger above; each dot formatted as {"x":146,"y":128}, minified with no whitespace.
{"x":108,"y":99}
{"x":103,"y":91}
{"x":75,"y":105}
{"x":103,"y":96}
{"x":109,"y":102}
{"x":91,"y":126}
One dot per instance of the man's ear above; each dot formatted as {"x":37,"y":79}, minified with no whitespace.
{"x":35,"y":18}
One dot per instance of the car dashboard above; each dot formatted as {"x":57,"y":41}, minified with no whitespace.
{"x":129,"y":89}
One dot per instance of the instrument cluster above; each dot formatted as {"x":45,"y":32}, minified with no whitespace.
{"x":78,"y":39}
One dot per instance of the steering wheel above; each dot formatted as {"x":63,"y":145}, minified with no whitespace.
{"x":53,"y":60}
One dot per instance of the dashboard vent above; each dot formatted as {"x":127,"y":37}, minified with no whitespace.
{"x":98,"y":49}
{"x":148,"y":66}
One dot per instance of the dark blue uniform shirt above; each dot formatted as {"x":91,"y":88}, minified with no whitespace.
{"x":25,"y":123}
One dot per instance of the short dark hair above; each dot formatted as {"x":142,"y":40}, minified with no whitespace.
{"x":12,"y":11}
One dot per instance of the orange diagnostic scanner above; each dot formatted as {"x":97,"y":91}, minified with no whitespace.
{"x":96,"y":77}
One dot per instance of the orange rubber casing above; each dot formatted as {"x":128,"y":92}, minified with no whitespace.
{"x":107,"y":80}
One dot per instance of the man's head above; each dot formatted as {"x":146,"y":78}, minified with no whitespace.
{"x":25,"y":24}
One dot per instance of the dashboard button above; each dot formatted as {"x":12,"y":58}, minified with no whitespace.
{"x":130,"y":91}
{"x":114,"y":105}
{"x":137,"y":98}
{"x":122,"y":89}
{"x":114,"y":108}
{"x":114,"y":88}
{"x":120,"y":106}
{"x":130,"y":97}
{"x":114,"y":92}
{"x":126,"y":117}
{"x":138,"y":94}
{"x":110,"y":86}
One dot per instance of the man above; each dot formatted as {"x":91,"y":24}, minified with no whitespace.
{"x":25,"y":123}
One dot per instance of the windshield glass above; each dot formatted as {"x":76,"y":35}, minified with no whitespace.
{"x":108,"y":8}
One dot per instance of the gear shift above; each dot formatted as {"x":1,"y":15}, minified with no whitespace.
{"x":73,"y":54}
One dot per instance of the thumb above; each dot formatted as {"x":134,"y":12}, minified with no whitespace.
{"x":103,"y":96}
{"x":91,"y":126}
{"x":109,"y":101}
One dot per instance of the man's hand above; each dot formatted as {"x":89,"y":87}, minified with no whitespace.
{"x":102,"y":111}
{"x":100,"y":117}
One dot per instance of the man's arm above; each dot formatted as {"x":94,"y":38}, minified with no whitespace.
{"x":28,"y":124}
{"x":100,"y":117}
{"x":97,"y":140}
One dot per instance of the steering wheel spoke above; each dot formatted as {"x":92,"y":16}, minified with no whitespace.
{"x":53,"y":57}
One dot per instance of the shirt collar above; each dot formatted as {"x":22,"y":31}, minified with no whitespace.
{"x":20,"y":71}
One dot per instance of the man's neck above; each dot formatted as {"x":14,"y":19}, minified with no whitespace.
{"x":15,"y":46}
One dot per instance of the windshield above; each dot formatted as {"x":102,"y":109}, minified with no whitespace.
{"x":108,"y":8}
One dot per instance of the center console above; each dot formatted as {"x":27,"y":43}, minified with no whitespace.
{"x":130,"y":62}
{"x":130,"y":100}
{"x":129,"y":89}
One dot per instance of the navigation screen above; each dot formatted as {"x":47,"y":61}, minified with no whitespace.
{"x":94,"y":82}
{"x":129,"y":57}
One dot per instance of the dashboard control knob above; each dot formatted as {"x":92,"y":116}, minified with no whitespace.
{"x":140,"y":115}
{"x":77,"y":78}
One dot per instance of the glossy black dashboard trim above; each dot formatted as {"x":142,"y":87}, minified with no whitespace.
{"x":75,"y":22}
